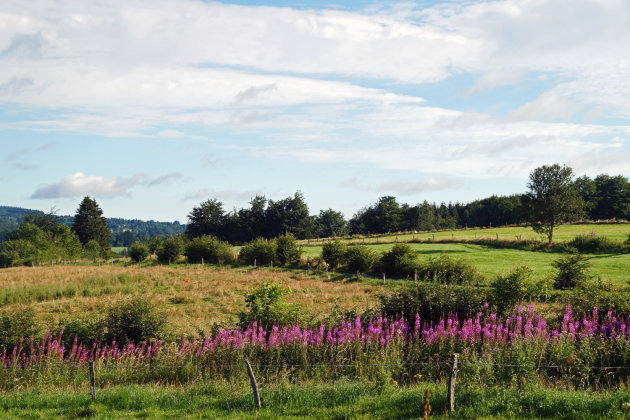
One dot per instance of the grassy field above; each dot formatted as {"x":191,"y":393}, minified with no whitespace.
{"x":615,"y":231}
{"x":211,"y":294}
{"x":333,"y":401}
{"x":493,"y":261}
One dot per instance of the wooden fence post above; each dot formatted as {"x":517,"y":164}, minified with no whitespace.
{"x":383,"y":278}
{"x":252,"y":379}
{"x":254,"y":262}
{"x":450,"y":397}
{"x":427,"y":405}
{"x":92,"y":380}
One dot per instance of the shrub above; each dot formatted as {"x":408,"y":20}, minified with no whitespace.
{"x":154,"y":244}
{"x":508,"y":290}
{"x":87,"y":332}
{"x":287,"y":249}
{"x":15,"y":326}
{"x":261,"y":250}
{"x":170,"y":249}
{"x":361,"y":258}
{"x":138,"y":252}
{"x":432,"y":301}
{"x":133,"y":320}
{"x":399,"y":262}
{"x":209,"y":249}
{"x":92,"y":250}
{"x":601,"y":294}
{"x":594,"y":243}
{"x":267,"y":307}
{"x":447,"y":270}
{"x":334,"y":253}
{"x":571,"y":269}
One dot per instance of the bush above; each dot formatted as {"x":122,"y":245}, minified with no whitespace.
{"x":138,"y":252}
{"x":334,"y":253}
{"x":571,"y":269}
{"x":209,"y":249}
{"x":447,"y":270}
{"x":170,"y":249}
{"x":287,"y":249}
{"x":133,"y":320}
{"x":508,"y":290}
{"x":432,"y":301}
{"x":601,"y":294}
{"x":261,"y":250}
{"x":594,"y":243}
{"x":399,"y":262}
{"x":15,"y":326}
{"x":87,"y":332}
{"x":360,"y":258}
{"x":267,"y":307}
{"x":92,"y":250}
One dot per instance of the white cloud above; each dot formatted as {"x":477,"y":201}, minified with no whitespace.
{"x":405,"y":187}
{"x":78,"y":184}
{"x":549,"y":106}
{"x":231,"y":195}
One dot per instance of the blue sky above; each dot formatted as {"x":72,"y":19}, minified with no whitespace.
{"x":152,"y":107}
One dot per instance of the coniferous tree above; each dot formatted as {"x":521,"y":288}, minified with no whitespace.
{"x":90,"y":225}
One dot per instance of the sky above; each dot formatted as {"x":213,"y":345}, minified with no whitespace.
{"x":154,"y":106}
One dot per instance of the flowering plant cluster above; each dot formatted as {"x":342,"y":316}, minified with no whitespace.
{"x":523,"y":345}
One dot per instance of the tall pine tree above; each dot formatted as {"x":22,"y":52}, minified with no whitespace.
{"x":89,"y":224}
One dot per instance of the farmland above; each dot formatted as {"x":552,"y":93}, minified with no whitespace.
{"x":359,"y":368}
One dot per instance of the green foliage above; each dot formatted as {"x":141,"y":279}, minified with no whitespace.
{"x":553,"y":198}
{"x":263,"y":251}
{"x":399,"y":262}
{"x":287,"y":249}
{"x":170,"y":249}
{"x":361,"y":258}
{"x":432,"y":301}
{"x":133,"y":320}
{"x":90,"y":225}
{"x":570,"y":269}
{"x":208,"y":249}
{"x":15,"y":326}
{"x":510,"y":289}
{"x":138,"y":252}
{"x":154,"y":244}
{"x":594,"y":243}
{"x":330,"y":223}
{"x":92,"y":250}
{"x":447,"y":270}
{"x":601,"y":294}
{"x":334,"y":253}
{"x":266,"y":305}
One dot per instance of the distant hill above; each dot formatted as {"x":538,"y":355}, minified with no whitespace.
{"x":124,"y":231}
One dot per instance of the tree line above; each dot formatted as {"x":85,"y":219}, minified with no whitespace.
{"x":604,"y":197}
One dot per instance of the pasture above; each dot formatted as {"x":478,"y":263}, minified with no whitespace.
{"x":563,"y":233}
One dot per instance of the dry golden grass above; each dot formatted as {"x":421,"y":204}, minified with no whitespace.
{"x":210,"y":295}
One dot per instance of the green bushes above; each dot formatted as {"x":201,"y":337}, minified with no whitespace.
{"x":447,"y":270}
{"x":138,"y":252}
{"x":267,"y":307}
{"x":208,"y":249}
{"x":508,"y":290}
{"x":360,"y":258}
{"x":287,"y":249}
{"x":334,"y":253}
{"x":432,"y":301}
{"x":261,"y":251}
{"x":15,"y":326}
{"x":132,"y":320}
{"x":601,"y":294}
{"x":399,"y":262}
{"x":170,"y":249}
{"x":570,"y":269}
{"x":594,"y":243}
